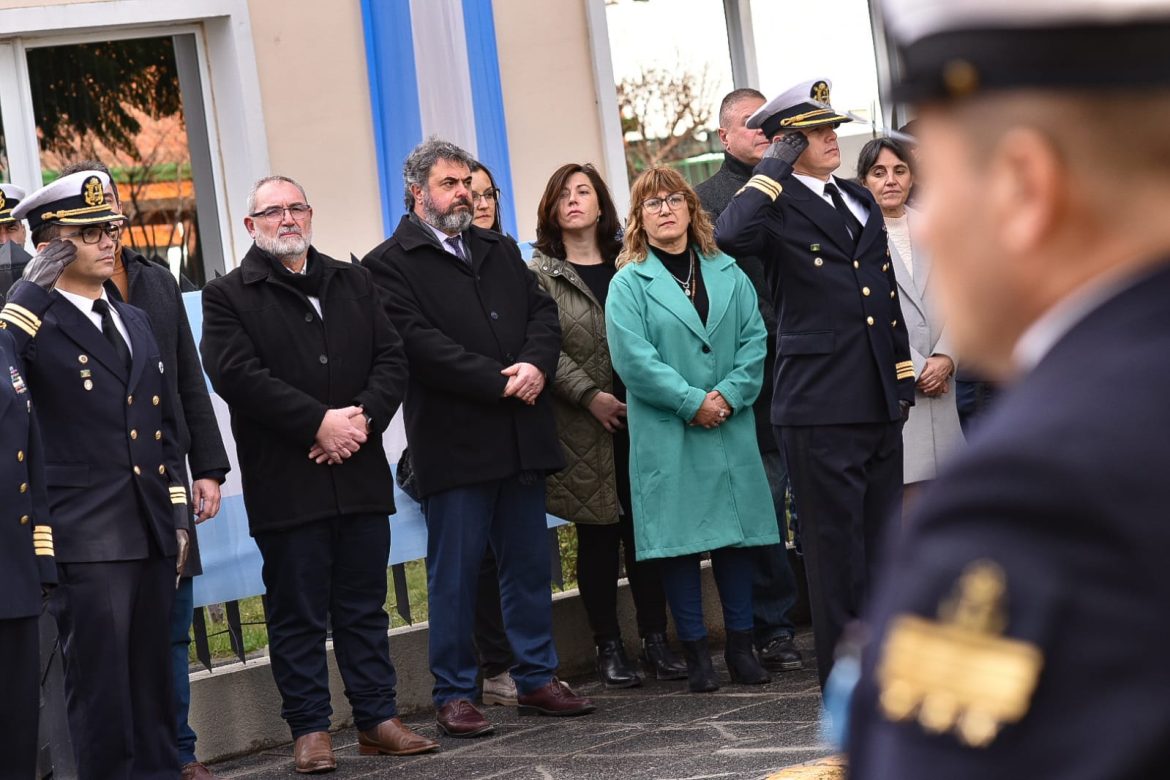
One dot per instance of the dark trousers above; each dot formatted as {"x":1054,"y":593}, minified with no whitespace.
{"x":111,"y":618}
{"x":491,"y":641}
{"x":682,"y":579}
{"x":509,"y":515}
{"x":847,"y":483}
{"x":181,"y":614}
{"x":774,"y":591}
{"x":19,"y":692}
{"x":329,"y":571}
{"x":598,"y":550}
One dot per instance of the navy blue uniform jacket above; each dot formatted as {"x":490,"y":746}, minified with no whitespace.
{"x":112,"y":467}
{"x":1064,"y":487}
{"x":843,"y":351}
{"x":24,"y":506}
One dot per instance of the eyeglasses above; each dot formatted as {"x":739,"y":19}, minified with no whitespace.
{"x":93,"y":233}
{"x":487,"y":196}
{"x":674,"y":202}
{"x":297,"y":211}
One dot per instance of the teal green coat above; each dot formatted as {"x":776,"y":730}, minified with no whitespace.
{"x":693,"y":489}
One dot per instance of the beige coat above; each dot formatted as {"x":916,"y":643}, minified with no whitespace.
{"x":586,"y":490}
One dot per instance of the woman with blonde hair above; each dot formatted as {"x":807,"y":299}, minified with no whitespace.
{"x":686,"y":336}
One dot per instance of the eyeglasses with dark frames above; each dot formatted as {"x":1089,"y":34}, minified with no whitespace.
{"x":297,"y":211}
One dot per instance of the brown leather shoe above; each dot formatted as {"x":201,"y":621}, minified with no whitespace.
{"x":393,"y":738}
{"x":196,"y":771}
{"x":554,"y":698}
{"x":461,"y":718}
{"x":313,"y":753}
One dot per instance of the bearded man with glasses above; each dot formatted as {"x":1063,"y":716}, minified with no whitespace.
{"x":299,"y":347}
{"x":114,"y":478}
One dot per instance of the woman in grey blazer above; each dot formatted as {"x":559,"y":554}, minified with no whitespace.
{"x":932,"y":433}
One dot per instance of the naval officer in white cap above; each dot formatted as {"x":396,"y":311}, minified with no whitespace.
{"x":1020,"y":627}
{"x":11,"y":228}
{"x":114,"y":480}
{"x":844,"y":379}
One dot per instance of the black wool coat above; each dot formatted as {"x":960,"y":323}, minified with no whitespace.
{"x":280,"y":366}
{"x":462,"y":325}
{"x":154,"y":290}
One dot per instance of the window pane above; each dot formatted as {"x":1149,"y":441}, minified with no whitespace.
{"x":120,"y":102}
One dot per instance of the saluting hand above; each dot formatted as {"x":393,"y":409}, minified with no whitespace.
{"x":787,"y":147}
{"x":45,"y":268}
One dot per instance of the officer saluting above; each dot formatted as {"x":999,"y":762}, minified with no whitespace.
{"x":26,"y":559}
{"x":844,"y":379}
{"x":113,"y":479}
{"x":1020,"y":629}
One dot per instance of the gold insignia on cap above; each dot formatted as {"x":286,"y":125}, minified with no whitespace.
{"x":2,"y":200}
{"x":820,"y":92}
{"x":960,"y":77}
{"x":92,"y":191}
{"x":960,"y":673}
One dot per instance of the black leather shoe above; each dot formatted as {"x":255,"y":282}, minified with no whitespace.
{"x":700,"y":673}
{"x":659,"y":660}
{"x":741,"y":659}
{"x":781,"y":655}
{"x":613,"y":667}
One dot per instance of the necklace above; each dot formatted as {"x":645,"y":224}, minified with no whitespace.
{"x":688,"y":284}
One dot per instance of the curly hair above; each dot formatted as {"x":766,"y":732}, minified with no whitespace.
{"x":700,"y":232}
{"x":549,"y":238}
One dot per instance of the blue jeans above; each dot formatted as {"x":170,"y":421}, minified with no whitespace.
{"x":684,"y":590}
{"x":774,"y":590}
{"x":509,"y":515}
{"x":181,"y":614}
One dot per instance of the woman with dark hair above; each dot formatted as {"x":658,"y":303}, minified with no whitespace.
{"x":576,"y":246}
{"x":485,"y":198}
{"x":686,"y":335}
{"x":886,"y":167}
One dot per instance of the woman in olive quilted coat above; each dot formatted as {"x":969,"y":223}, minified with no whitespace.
{"x":577,"y":242}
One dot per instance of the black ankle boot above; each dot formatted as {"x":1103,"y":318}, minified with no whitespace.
{"x":613,"y":667}
{"x":659,"y":660}
{"x":741,"y":659}
{"x":700,"y":672}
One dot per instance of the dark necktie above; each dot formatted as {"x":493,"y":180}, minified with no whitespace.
{"x":851,"y":223}
{"x":110,"y":331}
{"x":457,"y":244}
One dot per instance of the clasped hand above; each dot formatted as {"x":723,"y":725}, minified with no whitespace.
{"x":714,"y":411}
{"x":341,"y":433}
{"x":525,"y":382}
{"x":935,"y":375}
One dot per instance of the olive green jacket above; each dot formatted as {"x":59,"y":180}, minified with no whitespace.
{"x":586,"y":490}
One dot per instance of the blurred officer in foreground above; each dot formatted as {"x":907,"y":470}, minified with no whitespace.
{"x":114,"y":478}
{"x":1021,"y":630}
{"x":152,"y":288}
{"x":844,"y":378}
{"x":11,"y":228}
{"x":27,"y":566}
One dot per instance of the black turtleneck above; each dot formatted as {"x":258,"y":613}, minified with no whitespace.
{"x":679,"y":267}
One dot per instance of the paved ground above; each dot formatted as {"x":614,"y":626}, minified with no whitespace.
{"x":656,"y":732}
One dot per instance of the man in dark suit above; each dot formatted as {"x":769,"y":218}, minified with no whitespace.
{"x":483,"y":342}
{"x":774,"y":590}
{"x":298,"y":345}
{"x":152,"y":288}
{"x":114,"y":477}
{"x":27,"y":567}
{"x":1019,"y":628}
{"x":844,"y":380}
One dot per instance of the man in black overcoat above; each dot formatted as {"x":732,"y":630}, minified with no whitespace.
{"x":844,"y":380}
{"x":299,"y":347}
{"x":1019,"y":628}
{"x":113,"y":472}
{"x":774,"y":589}
{"x":483,"y":342}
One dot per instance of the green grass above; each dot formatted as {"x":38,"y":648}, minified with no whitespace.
{"x":252,"y":612}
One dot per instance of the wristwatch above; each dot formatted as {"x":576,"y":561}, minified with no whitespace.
{"x":369,"y":421}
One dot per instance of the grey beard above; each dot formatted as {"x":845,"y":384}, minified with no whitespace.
{"x":280,"y":248}
{"x":451,"y":221}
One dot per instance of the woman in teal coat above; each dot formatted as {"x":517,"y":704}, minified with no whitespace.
{"x":685,"y":334}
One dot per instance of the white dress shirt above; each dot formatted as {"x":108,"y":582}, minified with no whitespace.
{"x":858,"y":208}
{"x":85,"y":305}
{"x":316,"y":302}
{"x":439,"y":234}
